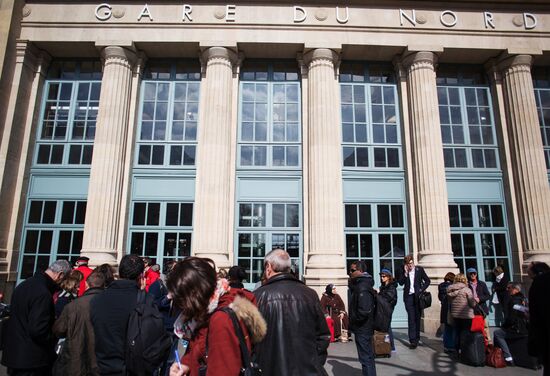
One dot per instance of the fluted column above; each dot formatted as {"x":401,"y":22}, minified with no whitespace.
{"x":528,"y":166}
{"x":107,"y":172}
{"x":326,"y":259}
{"x":212,"y":220}
{"x":430,"y":191}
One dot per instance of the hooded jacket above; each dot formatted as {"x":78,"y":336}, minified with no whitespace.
{"x":298,"y":336}
{"x":461,"y":300}
{"x":224,"y":354}
{"x":362,"y":304}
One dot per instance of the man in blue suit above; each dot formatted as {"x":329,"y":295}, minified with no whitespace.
{"x":416,"y":281}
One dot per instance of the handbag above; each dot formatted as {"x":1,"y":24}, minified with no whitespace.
{"x":249,"y":368}
{"x":425,"y":300}
{"x":478,"y":324}
{"x":494,"y":357}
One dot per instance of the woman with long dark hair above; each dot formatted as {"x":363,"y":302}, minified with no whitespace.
{"x":214,"y":344}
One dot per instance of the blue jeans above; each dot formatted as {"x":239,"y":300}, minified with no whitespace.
{"x":449,"y":337}
{"x":365,"y":350}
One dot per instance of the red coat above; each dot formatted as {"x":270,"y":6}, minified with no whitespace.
{"x":150,"y":277}
{"x":224,"y":355}
{"x":86,"y":271}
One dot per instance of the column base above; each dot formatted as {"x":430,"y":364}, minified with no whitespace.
{"x":536,"y":256}
{"x":221,"y":259}
{"x":431,"y":317}
{"x":99,"y":257}
{"x":323,"y":269}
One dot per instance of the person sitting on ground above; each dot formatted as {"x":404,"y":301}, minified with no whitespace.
{"x":388,"y":291}
{"x":74,"y":324}
{"x":333,"y":306}
{"x":461,"y":304}
{"x":516,"y":323}
{"x":69,"y":291}
{"x":448,"y":329}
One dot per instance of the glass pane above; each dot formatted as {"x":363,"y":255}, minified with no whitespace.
{"x":348,"y":156}
{"x":260,"y":156}
{"x":49,"y":212}
{"x":68,"y":212}
{"x":27,"y":267}
{"x":362,"y":157}
{"x":487,"y":245}
{"x":384,"y":244}
{"x":379,"y":157}
{"x":189,"y":153}
{"x":500,"y":245}
{"x":31,"y":241}
{"x":469,"y":245}
{"x":245,"y":213}
{"x":278,"y":215}
{"x":258,"y":219}
{"x":352,"y":246}
{"x":293,"y":245}
{"x":244,"y":245}
{"x":366,"y":245}
{"x":158,"y":155}
{"x":397,"y":216}
{"x":258,"y":245}
{"x":64,"y":243}
{"x":170,"y":243}
{"x":153,"y":213}
{"x":454,"y":219}
{"x":80,"y":212}
{"x":292,"y":215}
{"x":365,"y":216}
{"x":456,"y":245}
{"x":496,"y":216}
{"x":383,"y":216}
{"x":351,"y":215}
{"x":45,"y":244}
{"x":136,"y":244}
{"x":151,"y":241}
{"x":139,"y":214}
{"x":466,"y":215}
{"x":176,"y":155}
{"x":186,"y":214}
{"x":172,"y":214}
{"x":35,"y":212}
{"x":460,"y":158}
{"x":57,"y":154}
{"x":292,"y":155}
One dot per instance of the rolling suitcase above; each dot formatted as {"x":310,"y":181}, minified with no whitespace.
{"x":518,"y":349}
{"x":472,"y":348}
{"x":381,"y":345}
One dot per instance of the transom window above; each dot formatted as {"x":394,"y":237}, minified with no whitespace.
{"x":69,"y":114}
{"x":542,"y":96}
{"x":168,"y":116}
{"x":53,"y":230}
{"x":467,"y":124}
{"x":270,"y":116}
{"x":161,"y":230}
{"x":376,"y":233}
{"x":265,"y":226}
{"x":479,"y":237}
{"x":370,"y":124}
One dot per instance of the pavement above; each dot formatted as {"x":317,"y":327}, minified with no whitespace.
{"x":428,"y":359}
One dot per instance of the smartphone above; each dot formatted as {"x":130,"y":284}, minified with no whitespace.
{"x":183,"y":344}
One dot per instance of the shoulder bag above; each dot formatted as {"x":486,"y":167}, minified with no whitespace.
{"x":425,"y":300}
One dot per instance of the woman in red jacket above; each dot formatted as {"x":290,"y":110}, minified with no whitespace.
{"x":194,"y":289}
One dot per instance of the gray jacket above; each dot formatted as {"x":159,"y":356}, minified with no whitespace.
{"x":461,"y":300}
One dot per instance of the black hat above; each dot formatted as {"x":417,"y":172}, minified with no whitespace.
{"x":83,"y":258}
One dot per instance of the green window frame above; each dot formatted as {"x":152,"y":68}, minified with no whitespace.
{"x":371,"y":135}
{"x":168,"y":116}
{"x":263,"y":226}
{"x":69,"y":115}
{"x":270,"y":124}
{"x":53,"y":230}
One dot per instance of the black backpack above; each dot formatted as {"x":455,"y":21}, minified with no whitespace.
{"x":147,"y":342}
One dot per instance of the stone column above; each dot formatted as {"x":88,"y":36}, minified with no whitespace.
{"x":431,"y":214}
{"x":103,"y":215}
{"x":326,"y":258}
{"x":528,"y":166}
{"x":213,"y":223}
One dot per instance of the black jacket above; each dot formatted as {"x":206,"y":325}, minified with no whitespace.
{"x":389,"y":292}
{"x":29,"y":342}
{"x":361,"y":304}
{"x":539,"y":324}
{"x":421,"y":281}
{"x":516,"y":321}
{"x":109,"y":312}
{"x":442,"y":296}
{"x":297,"y":333}
{"x":483,"y":295}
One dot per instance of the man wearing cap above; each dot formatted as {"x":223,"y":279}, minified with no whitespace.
{"x":81,"y":265}
{"x":481,"y":296}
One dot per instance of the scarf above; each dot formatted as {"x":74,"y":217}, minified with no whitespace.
{"x":184,"y":328}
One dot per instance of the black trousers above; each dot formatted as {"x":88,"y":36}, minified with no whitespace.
{"x":44,"y":371}
{"x":413,"y":314}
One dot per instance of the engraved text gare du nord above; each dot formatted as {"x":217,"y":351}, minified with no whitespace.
{"x":299,"y":14}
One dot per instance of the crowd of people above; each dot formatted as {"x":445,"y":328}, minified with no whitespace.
{"x":81,"y":321}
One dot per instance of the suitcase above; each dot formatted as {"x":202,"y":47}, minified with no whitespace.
{"x":472,"y":348}
{"x":381,"y":345}
{"x":518,"y":349}
{"x":330,"y":324}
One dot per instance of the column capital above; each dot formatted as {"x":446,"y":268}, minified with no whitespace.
{"x":118,"y":52}
{"x":412,"y":58}
{"x":221,"y":53}
{"x":506,"y":61}
{"x":321,"y":54}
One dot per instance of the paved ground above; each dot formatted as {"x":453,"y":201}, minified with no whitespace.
{"x":427,"y":360}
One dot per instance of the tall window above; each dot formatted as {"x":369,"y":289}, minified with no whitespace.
{"x":168,"y":116}
{"x":376,"y":233}
{"x":370,"y":123}
{"x":541,"y":81}
{"x":161,"y":230}
{"x":270,"y":120}
{"x":466,"y":116}
{"x":479,"y":238}
{"x":69,"y":113}
{"x":265,"y":226}
{"x":53,"y":230}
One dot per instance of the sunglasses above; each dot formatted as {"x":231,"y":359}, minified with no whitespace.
{"x":352,"y":270}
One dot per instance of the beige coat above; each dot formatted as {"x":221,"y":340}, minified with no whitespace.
{"x":461,"y":301}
